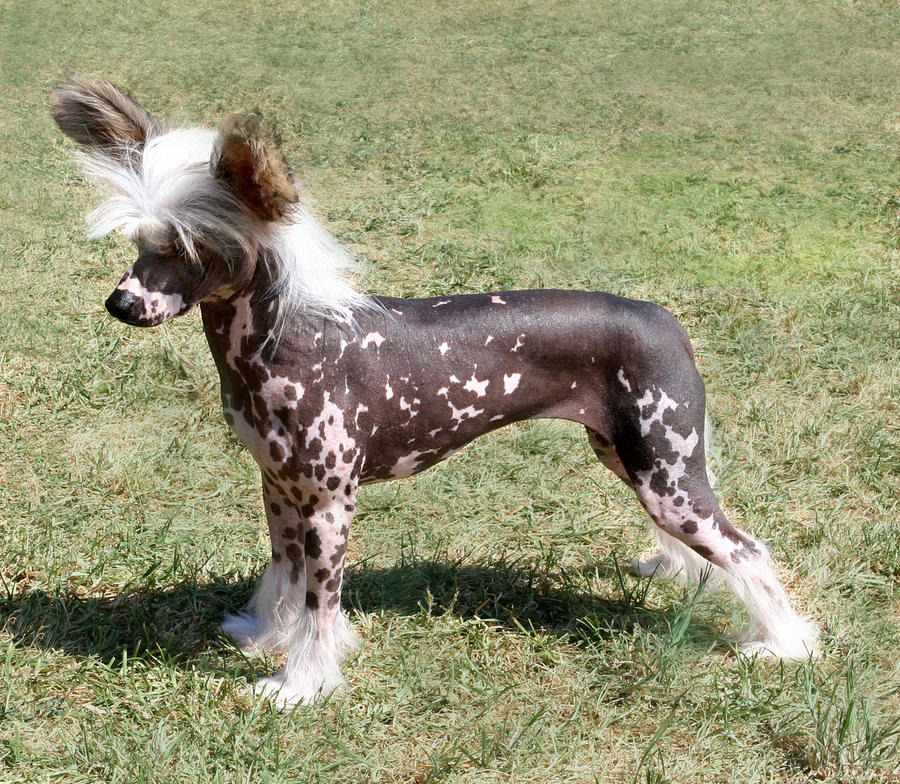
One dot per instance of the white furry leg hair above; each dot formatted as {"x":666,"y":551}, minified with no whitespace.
{"x":272,"y":613}
{"x":316,"y":647}
{"x":316,"y":642}
{"x":774,"y":628}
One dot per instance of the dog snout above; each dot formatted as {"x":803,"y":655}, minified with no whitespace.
{"x":121,"y":304}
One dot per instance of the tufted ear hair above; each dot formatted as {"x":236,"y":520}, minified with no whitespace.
{"x":246,"y":157}
{"x":101,"y":117}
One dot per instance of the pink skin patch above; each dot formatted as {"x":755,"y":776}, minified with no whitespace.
{"x":476,"y":386}
{"x":373,"y":338}
{"x":157,"y":306}
{"x":510,"y":382}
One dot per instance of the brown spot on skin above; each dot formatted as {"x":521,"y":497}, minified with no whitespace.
{"x":295,"y":553}
{"x":312,"y":601}
{"x":276,"y":452}
{"x":689,"y":527}
{"x":349,"y":507}
{"x":333,"y":482}
{"x":260,"y":408}
{"x":289,"y":533}
{"x":331,"y":460}
{"x":297,"y":493}
{"x":347,"y":457}
{"x":730,"y":532}
{"x":320,"y":472}
{"x":322,"y":574}
{"x":333,"y":584}
{"x":308,"y":510}
{"x":599,"y":442}
{"x":313,"y":543}
{"x":276,"y":557}
{"x":333,"y":599}
{"x":338,"y":556}
{"x":702,"y":550}
{"x":746,"y":552}
{"x":329,"y":517}
{"x":276,"y":509}
{"x":659,"y":483}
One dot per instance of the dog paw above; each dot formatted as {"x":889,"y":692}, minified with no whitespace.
{"x":284,"y":697}
{"x":248,"y":634}
{"x":242,"y":628}
{"x":287,"y":695}
{"x":652,"y":567}
{"x":798,"y":641}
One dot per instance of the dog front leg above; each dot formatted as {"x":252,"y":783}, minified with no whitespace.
{"x":322,"y":636}
{"x":278,"y":600}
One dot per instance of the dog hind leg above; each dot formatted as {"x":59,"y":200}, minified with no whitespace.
{"x":695,"y":537}
{"x":659,"y":443}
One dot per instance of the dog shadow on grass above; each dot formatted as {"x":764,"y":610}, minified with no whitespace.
{"x":179,"y":624}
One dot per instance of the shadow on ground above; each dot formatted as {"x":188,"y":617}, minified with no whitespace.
{"x":179,"y":624}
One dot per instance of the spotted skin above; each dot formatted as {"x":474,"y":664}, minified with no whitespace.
{"x":331,"y":407}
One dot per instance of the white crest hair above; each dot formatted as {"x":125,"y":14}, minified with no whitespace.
{"x":168,"y":183}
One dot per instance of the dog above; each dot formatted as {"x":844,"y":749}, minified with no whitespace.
{"x":331,"y":389}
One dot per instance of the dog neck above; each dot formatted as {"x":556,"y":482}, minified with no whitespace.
{"x":240,"y":323}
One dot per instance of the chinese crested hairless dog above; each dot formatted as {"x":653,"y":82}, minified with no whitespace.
{"x":331,"y":389}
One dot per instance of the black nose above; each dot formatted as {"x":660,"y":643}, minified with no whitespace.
{"x":120,"y":304}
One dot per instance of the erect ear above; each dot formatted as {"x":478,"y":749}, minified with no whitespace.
{"x":100,"y":116}
{"x":247,"y":159}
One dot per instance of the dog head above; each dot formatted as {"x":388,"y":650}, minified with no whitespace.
{"x":198,"y":204}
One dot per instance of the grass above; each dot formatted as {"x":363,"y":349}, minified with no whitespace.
{"x":735,"y":162}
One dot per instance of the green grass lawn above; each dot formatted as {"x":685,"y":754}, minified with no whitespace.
{"x":736,"y":162}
